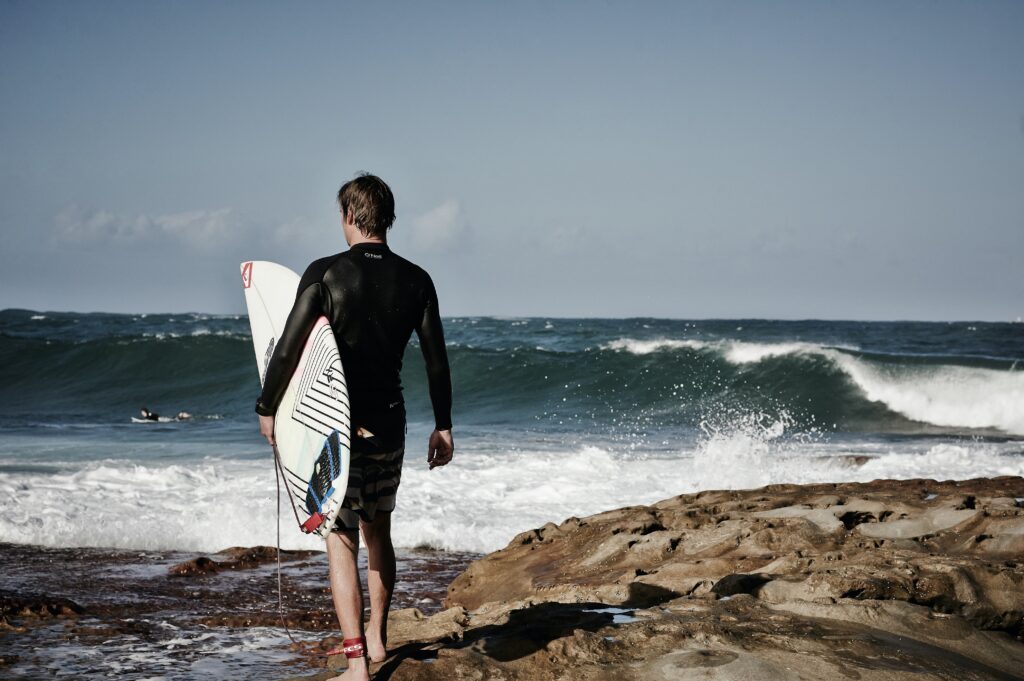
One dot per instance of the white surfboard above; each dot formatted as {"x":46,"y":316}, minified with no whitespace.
{"x":312,"y":425}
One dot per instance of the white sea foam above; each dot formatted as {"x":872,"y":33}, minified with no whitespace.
{"x":224,"y":333}
{"x":482,"y":503}
{"x":944,"y":395}
{"x":742,"y":352}
{"x":477,"y":503}
{"x":746,"y":458}
{"x":737,"y":352}
{"x":221,"y":653}
{"x":122,"y":504}
{"x":646,"y":347}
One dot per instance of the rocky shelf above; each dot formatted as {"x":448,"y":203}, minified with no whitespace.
{"x":886,"y":580}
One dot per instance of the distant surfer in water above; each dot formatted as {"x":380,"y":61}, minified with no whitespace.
{"x":374,"y":300}
{"x":147,"y":415}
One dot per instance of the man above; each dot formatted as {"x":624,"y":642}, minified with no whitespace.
{"x":374,"y":300}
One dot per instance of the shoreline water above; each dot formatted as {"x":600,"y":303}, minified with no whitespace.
{"x":153,"y":503}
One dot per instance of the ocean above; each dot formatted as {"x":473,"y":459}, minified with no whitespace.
{"x":553,"y":418}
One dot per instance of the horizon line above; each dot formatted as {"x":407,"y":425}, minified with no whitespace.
{"x":1018,"y":320}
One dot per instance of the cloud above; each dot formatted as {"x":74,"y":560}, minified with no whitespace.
{"x":295,"y":230}
{"x":201,"y":229}
{"x":78,"y":225}
{"x":440,"y":226}
{"x":564,"y":238}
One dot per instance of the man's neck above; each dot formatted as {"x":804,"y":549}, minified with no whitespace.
{"x":357,"y":242}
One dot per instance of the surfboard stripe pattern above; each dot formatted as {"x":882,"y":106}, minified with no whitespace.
{"x":323,"y":401}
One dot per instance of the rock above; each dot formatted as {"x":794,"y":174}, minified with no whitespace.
{"x":196,"y":566}
{"x":892,"y":580}
{"x":732,"y":585}
{"x":929,"y":522}
{"x":247,"y":557}
{"x":919,"y":541}
{"x":33,"y":608}
{"x":235,"y":558}
{"x":882,"y":580}
{"x":824,"y":519}
{"x":739,"y":638}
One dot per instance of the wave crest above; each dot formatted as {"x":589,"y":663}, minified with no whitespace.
{"x":948,"y":395}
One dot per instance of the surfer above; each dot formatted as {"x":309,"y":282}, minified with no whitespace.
{"x":374,"y":300}
{"x":147,"y":415}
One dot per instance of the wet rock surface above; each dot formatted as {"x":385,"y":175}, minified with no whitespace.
{"x":236,"y":558}
{"x":30,"y":608}
{"x":153,"y":614}
{"x":887,"y":580}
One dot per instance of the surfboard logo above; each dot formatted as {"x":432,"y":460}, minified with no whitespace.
{"x":335,"y":382}
{"x":247,"y":274}
{"x":266,"y":360}
{"x":328,"y":466}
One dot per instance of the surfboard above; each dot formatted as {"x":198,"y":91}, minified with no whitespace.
{"x":312,"y":424}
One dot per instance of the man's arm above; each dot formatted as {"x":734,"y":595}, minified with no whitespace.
{"x":307,"y":309}
{"x":431,"y":335}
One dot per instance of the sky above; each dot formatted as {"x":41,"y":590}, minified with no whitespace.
{"x":859,"y":160}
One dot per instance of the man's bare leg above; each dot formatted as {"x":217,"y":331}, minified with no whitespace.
{"x":380,"y":580}
{"x":347,"y":592}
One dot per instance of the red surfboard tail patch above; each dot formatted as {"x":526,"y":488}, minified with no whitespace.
{"x":312,"y":523}
{"x":246,"y":274}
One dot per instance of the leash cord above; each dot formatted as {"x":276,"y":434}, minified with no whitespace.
{"x":280,"y":597}
{"x":278,"y":474}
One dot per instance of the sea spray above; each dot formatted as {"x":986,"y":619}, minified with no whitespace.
{"x":478,"y":503}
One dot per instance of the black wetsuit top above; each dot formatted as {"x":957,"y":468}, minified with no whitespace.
{"x":374,"y":300}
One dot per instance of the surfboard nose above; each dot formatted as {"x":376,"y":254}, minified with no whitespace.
{"x":246,"y":268}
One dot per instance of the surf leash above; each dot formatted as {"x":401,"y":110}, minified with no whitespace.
{"x":280,"y":598}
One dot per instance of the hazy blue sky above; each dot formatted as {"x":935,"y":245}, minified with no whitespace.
{"x":836,"y":160}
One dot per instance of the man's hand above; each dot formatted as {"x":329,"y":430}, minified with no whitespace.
{"x":440,"y":448}
{"x":267,"y":428}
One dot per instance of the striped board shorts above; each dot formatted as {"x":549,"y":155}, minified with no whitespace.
{"x":372,"y":483}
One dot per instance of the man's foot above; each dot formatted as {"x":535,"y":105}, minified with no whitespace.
{"x":376,"y":647}
{"x":358,"y":664}
{"x":358,"y":670}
